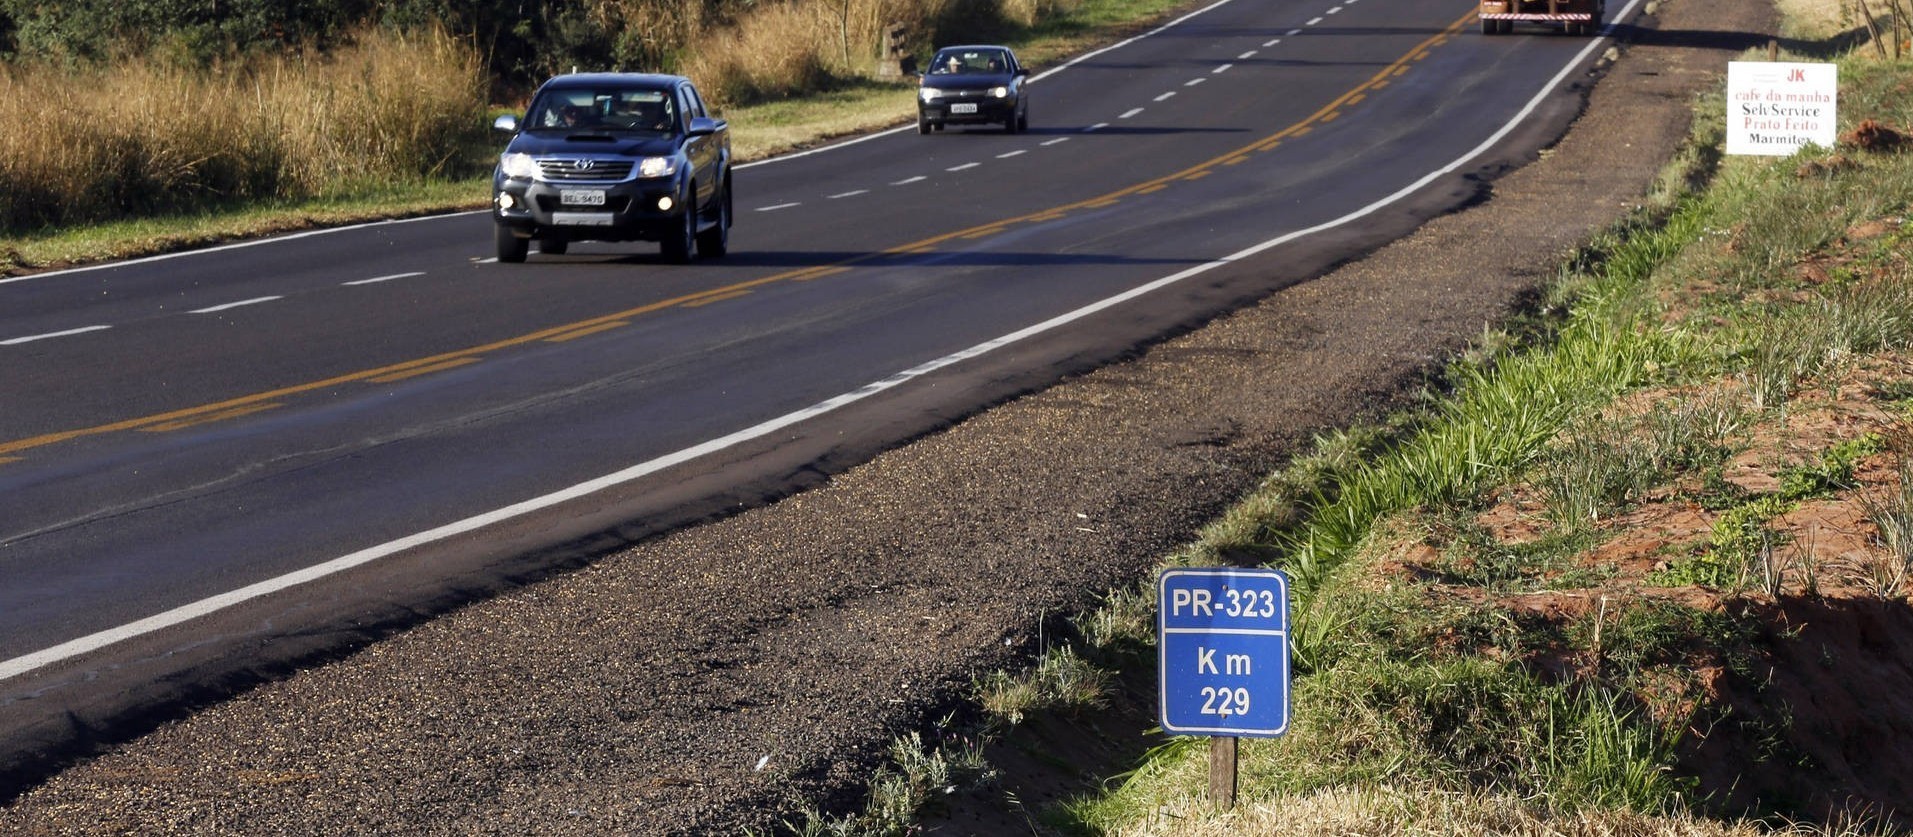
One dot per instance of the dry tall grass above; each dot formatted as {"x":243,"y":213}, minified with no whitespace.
{"x":139,"y":136}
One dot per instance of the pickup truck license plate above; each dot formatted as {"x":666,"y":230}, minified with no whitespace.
{"x":963,"y":107}
{"x":581,"y":197}
{"x":582,"y":219}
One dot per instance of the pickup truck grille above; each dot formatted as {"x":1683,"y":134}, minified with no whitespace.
{"x":569,"y":169}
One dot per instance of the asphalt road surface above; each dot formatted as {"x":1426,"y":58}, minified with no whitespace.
{"x":223,"y":463}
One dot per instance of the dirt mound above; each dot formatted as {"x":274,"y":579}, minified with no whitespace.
{"x":1873,"y":135}
{"x":1821,"y":724}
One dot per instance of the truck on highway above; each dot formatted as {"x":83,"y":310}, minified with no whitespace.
{"x":614,"y":157}
{"x":1576,"y":17}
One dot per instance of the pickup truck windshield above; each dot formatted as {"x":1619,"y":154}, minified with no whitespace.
{"x":588,"y":109}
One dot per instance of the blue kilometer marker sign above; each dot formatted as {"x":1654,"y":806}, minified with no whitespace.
{"x":1223,"y":643}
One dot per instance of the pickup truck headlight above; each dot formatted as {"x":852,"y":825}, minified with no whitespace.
{"x":518,"y":166}
{"x":929,"y":94}
{"x":658,"y":167}
{"x":1000,"y":92}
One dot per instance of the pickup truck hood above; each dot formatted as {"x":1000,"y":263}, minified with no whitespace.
{"x":552,"y":143}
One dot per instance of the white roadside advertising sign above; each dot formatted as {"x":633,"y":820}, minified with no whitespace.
{"x":1774,"y":108}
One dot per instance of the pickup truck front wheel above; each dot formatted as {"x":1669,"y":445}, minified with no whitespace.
{"x":511,"y":248}
{"x":677,"y":243}
{"x":716,"y":241}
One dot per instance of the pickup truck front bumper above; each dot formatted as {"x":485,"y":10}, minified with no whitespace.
{"x":634,"y":210}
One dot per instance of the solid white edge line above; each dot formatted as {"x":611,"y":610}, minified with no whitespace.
{"x":237,"y":245}
{"x":93,"y":642}
{"x":231,"y":305}
{"x":67,"y":333}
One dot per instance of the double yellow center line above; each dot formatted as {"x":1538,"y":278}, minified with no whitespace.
{"x":257,"y":402}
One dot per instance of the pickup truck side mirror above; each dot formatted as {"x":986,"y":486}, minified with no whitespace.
{"x":702,"y":126}
{"x":507,"y":124}
{"x":1022,"y":71}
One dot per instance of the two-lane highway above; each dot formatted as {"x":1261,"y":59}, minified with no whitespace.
{"x":243,"y":456}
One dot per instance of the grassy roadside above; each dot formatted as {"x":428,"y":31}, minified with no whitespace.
{"x":759,"y":131}
{"x":1585,"y":591}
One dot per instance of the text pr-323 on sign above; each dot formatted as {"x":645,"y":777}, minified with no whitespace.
{"x":1223,"y":651}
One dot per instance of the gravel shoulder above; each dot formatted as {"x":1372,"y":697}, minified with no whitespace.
{"x":711,"y":680}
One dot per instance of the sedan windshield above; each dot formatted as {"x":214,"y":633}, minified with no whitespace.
{"x":969,"y":61}
{"x":587,"y":109}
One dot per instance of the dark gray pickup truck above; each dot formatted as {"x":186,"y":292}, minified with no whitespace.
{"x":614,"y":157}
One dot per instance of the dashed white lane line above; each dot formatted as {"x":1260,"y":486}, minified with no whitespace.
{"x":1313,"y":22}
{"x":906,"y":181}
{"x":231,"y":305}
{"x":50,"y":335}
{"x":1293,"y":32}
{"x":1008,"y":154}
{"x":377,"y":279}
{"x":1336,"y":10}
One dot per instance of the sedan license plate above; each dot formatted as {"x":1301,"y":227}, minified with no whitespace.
{"x":581,"y":197}
{"x":963,"y":107}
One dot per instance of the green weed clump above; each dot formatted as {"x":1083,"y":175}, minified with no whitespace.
{"x":1740,"y":545}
